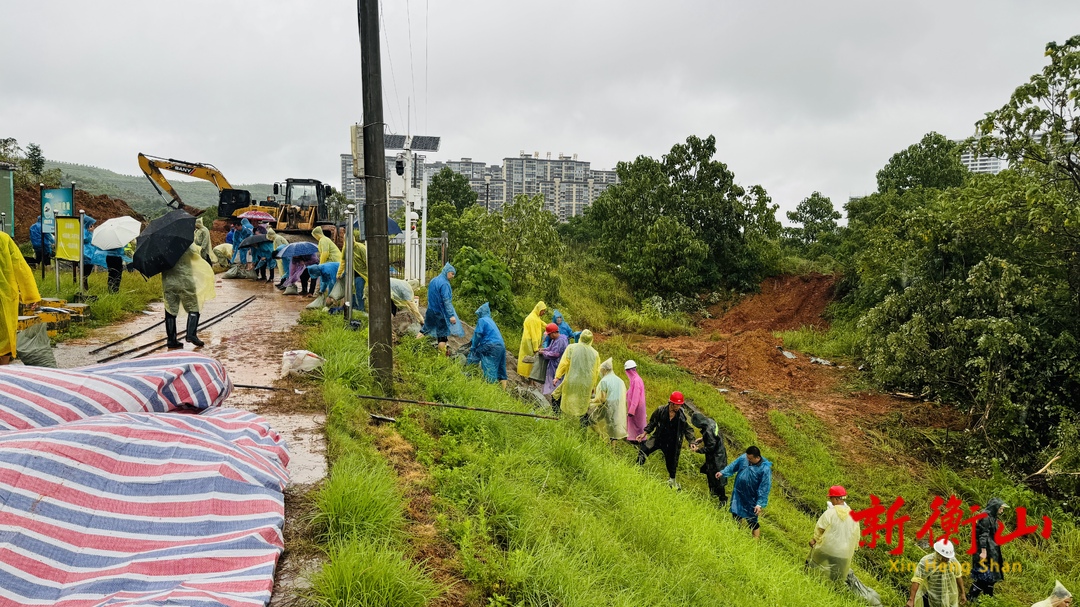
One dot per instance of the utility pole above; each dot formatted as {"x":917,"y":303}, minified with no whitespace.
{"x":380,"y":337}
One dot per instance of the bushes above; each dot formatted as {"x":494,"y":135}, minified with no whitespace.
{"x":482,"y":277}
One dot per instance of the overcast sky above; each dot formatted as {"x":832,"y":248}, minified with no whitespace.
{"x":801,"y":96}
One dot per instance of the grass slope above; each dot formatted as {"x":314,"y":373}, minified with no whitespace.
{"x":135,"y":294}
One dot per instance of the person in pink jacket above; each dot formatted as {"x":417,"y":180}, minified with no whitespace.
{"x":636,"y":416}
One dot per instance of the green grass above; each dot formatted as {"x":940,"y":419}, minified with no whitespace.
{"x":839,"y":341}
{"x":135,"y":294}
{"x":362,"y":573}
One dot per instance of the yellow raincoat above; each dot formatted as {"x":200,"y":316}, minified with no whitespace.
{"x":202,"y":239}
{"x":279,"y":241}
{"x":328,"y":251}
{"x":359,"y":259}
{"x":580,"y":366}
{"x":16,"y":285}
{"x":532,"y":337}
{"x":189,"y":284}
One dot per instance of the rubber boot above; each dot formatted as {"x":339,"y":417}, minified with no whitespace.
{"x":192,"y":328}
{"x":170,"y":332}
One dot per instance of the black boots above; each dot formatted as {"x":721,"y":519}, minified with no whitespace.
{"x":192,"y":327}
{"x":170,"y":332}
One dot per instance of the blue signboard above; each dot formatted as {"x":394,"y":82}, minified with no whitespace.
{"x":55,"y":203}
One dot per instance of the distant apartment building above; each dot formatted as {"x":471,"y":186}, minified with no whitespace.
{"x":567,"y":184}
{"x":353,"y":187}
{"x":982,"y":164}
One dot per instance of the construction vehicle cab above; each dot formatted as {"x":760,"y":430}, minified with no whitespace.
{"x":302,"y":204}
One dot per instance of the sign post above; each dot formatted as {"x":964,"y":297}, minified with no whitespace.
{"x":55,"y":202}
{"x":68,"y":236}
{"x":82,"y":216}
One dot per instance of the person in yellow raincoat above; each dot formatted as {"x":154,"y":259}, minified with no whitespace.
{"x":532,"y":337}
{"x":836,"y":537}
{"x":202,"y":238}
{"x":578,"y":372}
{"x":328,"y":251}
{"x":279,"y":241}
{"x":186,"y":285}
{"x":16,"y":286}
{"x":608,"y":411}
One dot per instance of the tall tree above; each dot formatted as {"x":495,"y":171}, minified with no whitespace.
{"x":451,"y":187}
{"x":934,"y":162}
{"x":815,"y":222}
{"x":35,"y":160}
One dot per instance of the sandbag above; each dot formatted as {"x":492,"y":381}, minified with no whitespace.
{"x":866,"y":593}
{"x":233,"y":272}
{"x":539,"y":369}
{"x":338,"y":291}
{"x":33,"y":347}
{"x":318,"y":303}
{"x":300,"y":361}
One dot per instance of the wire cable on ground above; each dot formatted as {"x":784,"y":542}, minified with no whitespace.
{"x":206,"y":325}
{"x":123,"y":339}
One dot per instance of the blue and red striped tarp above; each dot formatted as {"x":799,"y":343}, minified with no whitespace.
{"x":140,"y":506}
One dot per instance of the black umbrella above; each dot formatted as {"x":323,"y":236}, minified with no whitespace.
{"x":251,"y":241}
{"x":161,"y":244}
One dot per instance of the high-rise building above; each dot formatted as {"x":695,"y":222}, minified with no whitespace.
{"x":982,"y":164}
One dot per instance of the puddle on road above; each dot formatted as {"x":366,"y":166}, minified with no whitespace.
{"x":249,"y":344}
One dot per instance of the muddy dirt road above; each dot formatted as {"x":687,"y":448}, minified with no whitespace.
{"x":249,"y":344}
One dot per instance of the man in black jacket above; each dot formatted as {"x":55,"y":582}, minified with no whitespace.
{"x":711,"y":445}
{"x":986,"y":563}
{"x":668,"y":427}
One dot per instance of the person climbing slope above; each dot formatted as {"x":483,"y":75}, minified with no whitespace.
{"x":578,"y":372}
{"x":441,"y":318}
{"x":836,"y":537}
{"x":636,"y":415}
{"x":552,"y":353}
{"x":564,"y":328}
{"x":711,"y":445}
{"x":488,"y":348}
{"x":668,"y":427}
{"x":753,"y":481}
{"x":532,"y":335}
{"x":607,"y":414}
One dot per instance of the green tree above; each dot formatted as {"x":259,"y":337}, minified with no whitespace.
{"x":450,"y":187}
{"x":699,"y":194}
{"x":335,"y":206}
{"x":9,"y":150}
{"x":815,"y":223}
{"x":934,"y":162}
{"x":35,"y":160}
{"x":528,"y":243}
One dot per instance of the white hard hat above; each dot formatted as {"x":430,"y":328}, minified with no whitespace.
{"x":945,"y":548}
{"x":630,"y":365}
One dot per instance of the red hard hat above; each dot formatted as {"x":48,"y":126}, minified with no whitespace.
{"x":552,"y":328}
{"x":677,"y":398}
{"x":837,"y":491}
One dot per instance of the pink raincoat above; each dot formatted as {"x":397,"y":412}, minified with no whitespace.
{"x":636,"y":416}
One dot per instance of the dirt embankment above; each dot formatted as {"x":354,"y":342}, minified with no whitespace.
{"x":28,"y":208}
{"x":784,"y":303}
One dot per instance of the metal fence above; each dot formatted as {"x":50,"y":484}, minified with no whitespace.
{"x":436,"y":256}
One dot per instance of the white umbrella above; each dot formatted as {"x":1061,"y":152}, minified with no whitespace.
{"x":116,"y":232}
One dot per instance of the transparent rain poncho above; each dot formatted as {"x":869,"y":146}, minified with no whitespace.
{"x":188,"y":284}
{"x":608,"y":413}
{"x":401,"y":294}
{"x":937,"y":581}
{"x":1056,"y":598}
{"x":836,"y":546}
{"x":580,"y":370}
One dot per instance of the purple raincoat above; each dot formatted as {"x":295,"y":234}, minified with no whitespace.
{"x":553,"y":353}
{"x":298,"y":265}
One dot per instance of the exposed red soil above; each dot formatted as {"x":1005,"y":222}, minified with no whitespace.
{"x":784,"y":303}
{"x":28,"y":208}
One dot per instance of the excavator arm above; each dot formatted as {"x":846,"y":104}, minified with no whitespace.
{"x":152,"y":166}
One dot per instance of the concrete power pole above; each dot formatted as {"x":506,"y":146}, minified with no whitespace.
{"x":380,"y":336}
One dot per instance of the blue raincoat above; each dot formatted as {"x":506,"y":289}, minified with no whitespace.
{"x":91,"y":254}
{"x":326,"y":273}
{"x":564,"y":327}
{"x":488,"y":348}
{"x":440,"y":307}
{"x":245,"y":231}
{"x":35,"y":237}
{"x":752,"y":485}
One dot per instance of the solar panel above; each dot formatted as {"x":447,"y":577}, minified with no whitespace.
{"x":425,"y":143}
{"x":394,"y":142}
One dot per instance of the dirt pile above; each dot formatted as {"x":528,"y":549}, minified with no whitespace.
{"x":784,"y":303}
{"x":28,"y":208}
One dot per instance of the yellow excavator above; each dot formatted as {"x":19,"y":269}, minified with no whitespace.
{"x":303,"y":200}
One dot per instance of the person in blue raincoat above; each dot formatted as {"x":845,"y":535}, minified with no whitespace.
{"x":753,"y":481}
{"x":90,"y":253}
{"x":564,"y":327}
{"x":441,"y":318}
{"x":41,"y":254}
{"x":263,"y":254}
{"x":488,"y":348}
{"x":326,"y":274}
{"x":245,"y":231}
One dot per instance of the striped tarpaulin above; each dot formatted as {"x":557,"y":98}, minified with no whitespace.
{"x":36,"y":397}
{"x":136,"y":508}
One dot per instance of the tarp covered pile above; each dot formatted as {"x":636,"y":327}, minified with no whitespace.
{"x":108,"y":498}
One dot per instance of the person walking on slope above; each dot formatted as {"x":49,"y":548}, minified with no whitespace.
{"x":552,"y":355}
{"x":753,"y":481}
{"x":17,"y":286}
{"x":1060,"y":597}
{"x":668,"y":427}
{"x":564,"y":328}
{"x":986,"y":563}
{"x":441,"y":318}
{"x":488,"y":348}
{"x":938,"y":580}
{"x":711,"y":445}
{"x":836,"y":537}
{"x":636,"y":415}
{"x":607,"y":415}
{"x":532,"y":334}
{"x":187,"y":285}
{"x":578,"y":372}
